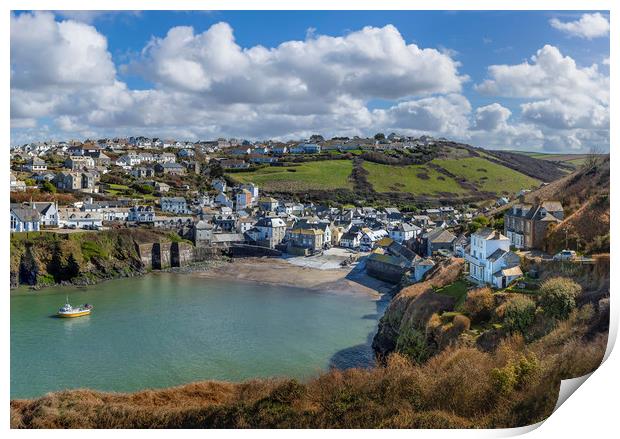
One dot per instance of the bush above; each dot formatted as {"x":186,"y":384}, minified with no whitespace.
{"x":519,"y":313}
{"x":143,"y":188}
{"x":515,"y":375}
{"x":461,"y":323}
{"x":479,"y":304}
{"x":412,"y":343}
{"x":557,"y":297}
{"x":48,"y":187}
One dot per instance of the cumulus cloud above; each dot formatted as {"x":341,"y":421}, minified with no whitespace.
{"x":64,"y":83}
{"x":319,"y":67}
{"x":491,"y":117}
{"x":561,"y":95}
{"x":448,"y":115}
{"x":588,"y":26}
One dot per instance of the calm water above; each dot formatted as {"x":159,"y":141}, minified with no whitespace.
{"x":168,"y":329}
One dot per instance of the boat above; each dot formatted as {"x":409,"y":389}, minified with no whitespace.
{"x":68,"y":311}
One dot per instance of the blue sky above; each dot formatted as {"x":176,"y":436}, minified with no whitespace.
{"x":138,"y":45}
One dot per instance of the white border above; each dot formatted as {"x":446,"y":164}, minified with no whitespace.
{"x":590,"y":412}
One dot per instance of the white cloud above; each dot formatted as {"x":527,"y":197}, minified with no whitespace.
{"x":559,"y":94}
{"x":588,"y":26}
{"x":206,"y":86}
{"x":492,"y":128}
{"x":319,"y":67}
{"x":446,"y":115}
{"x":491,"y":117}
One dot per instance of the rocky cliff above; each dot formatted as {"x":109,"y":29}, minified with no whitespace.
{"x":41,"y":259}
{"x":402,"y":327}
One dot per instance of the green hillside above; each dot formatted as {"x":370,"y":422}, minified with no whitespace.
{"x":323,"y":175}
{"x":488,"y":176}
{"x":413,"y":179}
{"x":375,"y":178}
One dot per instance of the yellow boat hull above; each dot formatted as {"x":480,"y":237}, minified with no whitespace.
{"x":75,"y":314}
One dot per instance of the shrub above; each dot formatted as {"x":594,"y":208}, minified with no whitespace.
{"x":519,"y":313}
{"x":48,"y":187}
{"x":515,"y":375}
{"x":143,"y":188}
{"x":461,"y":323}
{"x":479,"y":304}
{"x":557,"y":297}
{"x":412,"y":343}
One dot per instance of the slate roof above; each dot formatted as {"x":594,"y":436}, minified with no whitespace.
{"x":497,"y":254}
{"x":440,"y":235}
{"x":26,"y":214}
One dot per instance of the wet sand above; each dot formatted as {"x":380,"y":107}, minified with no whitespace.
{"x":280,"y":272}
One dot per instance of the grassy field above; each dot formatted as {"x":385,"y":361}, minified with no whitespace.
{"x":572,"y":159}
{"x":415,"y":179}
{"x":457,"y":289}
{"x":488,"y":176}
{"x":323,"y":175}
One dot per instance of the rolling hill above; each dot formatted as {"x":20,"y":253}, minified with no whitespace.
{"x":441,"y":173}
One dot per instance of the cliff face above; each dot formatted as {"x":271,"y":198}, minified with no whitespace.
{"x":402,"y":327}
{"x":81,"y":258}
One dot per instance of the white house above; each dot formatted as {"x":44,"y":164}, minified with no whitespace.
{"x":48,"y":212}
{"x":36,"y":165}
{"x":173,"y":204}
{"x":141,"y":214}
{"x":350,"y":240}
{"x":404,"y":232}
{"x":490,"y":259}
{"x":24,"y":218}
{"x":75,"y":218}
{"x":128,"y":160}
{"x":370,"y":237}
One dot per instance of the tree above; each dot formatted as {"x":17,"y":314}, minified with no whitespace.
{"x":379,"y":136}
{"x":216,"y":170}
{"x":477,"y":223}
{"x":30,"y":182}
{"x":557,"y":297}
{"x":48,"y":187}
{"x":519,"y":313}
{"x":594,"y":157}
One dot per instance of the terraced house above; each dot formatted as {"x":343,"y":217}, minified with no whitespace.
{"x":525,"y":225}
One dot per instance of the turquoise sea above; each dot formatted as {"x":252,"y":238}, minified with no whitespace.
{"x":168,"y":329}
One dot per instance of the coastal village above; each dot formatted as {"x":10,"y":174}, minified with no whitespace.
{"x":186,"y":188}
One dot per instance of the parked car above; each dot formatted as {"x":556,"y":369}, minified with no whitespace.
{"x":565,"y":255}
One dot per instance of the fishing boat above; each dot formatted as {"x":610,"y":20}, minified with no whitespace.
{"x":68,"y":311}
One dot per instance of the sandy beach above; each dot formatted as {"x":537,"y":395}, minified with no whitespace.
{"x":283,"y":272}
